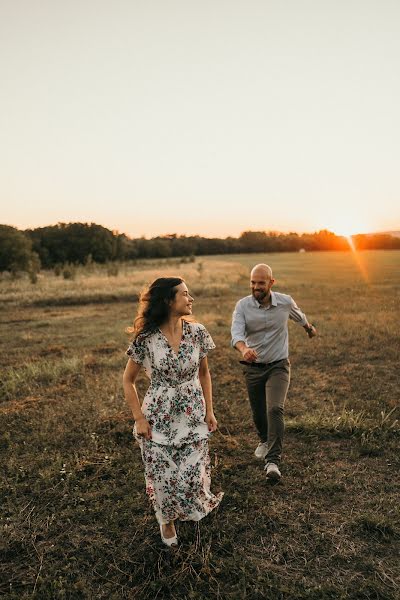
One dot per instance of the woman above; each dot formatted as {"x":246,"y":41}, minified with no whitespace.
{"x":173,"y":424}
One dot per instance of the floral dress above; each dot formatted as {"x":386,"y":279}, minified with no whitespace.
{"x":176,"y":458}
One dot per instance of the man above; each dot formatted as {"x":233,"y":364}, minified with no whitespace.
{"x":260,"y":334}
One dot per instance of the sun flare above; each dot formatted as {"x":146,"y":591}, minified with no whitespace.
{"x":348,"y":221}
{"x":347,"y":225}
{"x":347,"y":228}
{"x":346,"y":233}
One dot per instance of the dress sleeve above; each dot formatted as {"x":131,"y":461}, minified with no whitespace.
{"x":206,"y":342}
{"x":137,"y":351}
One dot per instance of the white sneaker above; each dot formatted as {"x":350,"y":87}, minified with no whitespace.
{"x":261,"y":450}
{"x":272,"y":471}
{"x":172,"y":541}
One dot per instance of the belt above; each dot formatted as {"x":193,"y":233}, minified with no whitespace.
{"x":261,"y":365}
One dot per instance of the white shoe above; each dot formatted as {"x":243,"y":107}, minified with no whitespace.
{"x":261,"y":450}
{"x":272,"y":472}
{"x":172,"y":541}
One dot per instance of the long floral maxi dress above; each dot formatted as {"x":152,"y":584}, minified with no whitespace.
{"x":176,"y":459}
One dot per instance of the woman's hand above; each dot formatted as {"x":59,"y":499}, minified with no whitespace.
{"x":143,"y":428}
{"x":211,"y":422}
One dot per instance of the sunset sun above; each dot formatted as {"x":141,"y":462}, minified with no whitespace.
{"x":348,"y":226}
{"x":346,"y":232}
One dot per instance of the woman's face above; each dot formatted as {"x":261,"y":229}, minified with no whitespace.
{"x":182,"y":303}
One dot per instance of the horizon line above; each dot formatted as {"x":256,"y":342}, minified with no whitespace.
{"x":171,"y":234}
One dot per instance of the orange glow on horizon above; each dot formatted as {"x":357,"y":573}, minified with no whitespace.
{"x":350,"y":222}
{"x":350,"y":231}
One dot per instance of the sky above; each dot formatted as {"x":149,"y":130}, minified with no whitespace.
{"x":210,"y":118}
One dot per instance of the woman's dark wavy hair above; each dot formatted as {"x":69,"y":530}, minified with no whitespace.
{"x":154,"y":305}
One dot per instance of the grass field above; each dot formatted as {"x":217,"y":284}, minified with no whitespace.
{"x":75,"y":519}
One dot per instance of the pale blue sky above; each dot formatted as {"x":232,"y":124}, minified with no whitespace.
{"x":208,"y":117}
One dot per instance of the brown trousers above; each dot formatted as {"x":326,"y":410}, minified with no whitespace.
{"x":267,"y":388}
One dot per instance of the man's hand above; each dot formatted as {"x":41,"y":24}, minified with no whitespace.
{"x":310,"y":330}
{"x":249,"y":355}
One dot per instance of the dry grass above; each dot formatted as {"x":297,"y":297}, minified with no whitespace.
{"x":76,"y":523}
{"x":94,"y":284}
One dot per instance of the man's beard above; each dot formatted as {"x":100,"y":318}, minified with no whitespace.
{"x":260,"y":296}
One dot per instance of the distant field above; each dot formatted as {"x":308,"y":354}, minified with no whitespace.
{"x":76,"y":523}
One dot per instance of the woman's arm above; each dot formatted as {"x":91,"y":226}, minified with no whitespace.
{"x":205,"y":382}
{"x":130,"y":374}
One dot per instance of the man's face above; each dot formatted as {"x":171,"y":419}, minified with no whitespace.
{"x":260,"y":285}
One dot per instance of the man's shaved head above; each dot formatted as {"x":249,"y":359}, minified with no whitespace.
{"x":262,"y":270}
{"x":261,"y":282}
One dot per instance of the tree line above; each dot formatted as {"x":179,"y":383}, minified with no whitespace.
{"x":80,"y":243}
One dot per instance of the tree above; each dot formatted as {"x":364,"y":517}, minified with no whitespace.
{"x":16,"y":251}
{"x":254,"y":241}
{"x":74,"y":243}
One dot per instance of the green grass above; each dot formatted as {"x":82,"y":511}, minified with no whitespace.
{"x":75,"y":519}
{"x":24,"y":380}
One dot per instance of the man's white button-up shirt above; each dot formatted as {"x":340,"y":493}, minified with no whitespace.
{"x":264,"y":329}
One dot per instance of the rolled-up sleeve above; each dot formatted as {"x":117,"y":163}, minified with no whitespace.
{"x":238,"y":329}
{"x":296,"y":314}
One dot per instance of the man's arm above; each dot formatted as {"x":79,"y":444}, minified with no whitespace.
{"x":299,"y":317}
{"x":238,"y":332}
